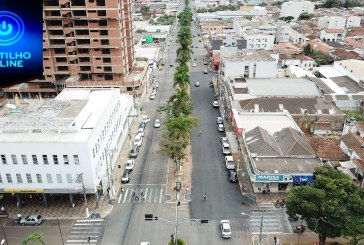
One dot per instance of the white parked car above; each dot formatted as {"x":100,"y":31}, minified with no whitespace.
{"x":219,"y":120}
{"x":152,"y":97}
{"x":141,"y":131}
{"x":226,"y":149}
{"x":205,"y":72}
{"x":145,"y":119}
{"x":154,"y":92}
{"x":157,"y":123}
{"x":229,"y":162}
{"x":225,"y":228}
{"x":130,"y":164}
{"x":138,"y":140}
{"x":215,"y":104}
{"x":194,"y":64}
{"x":220,"y":127}
{"x":224,"y":140}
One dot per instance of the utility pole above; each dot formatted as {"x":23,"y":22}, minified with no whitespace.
{"x":80,"y":178}
{"x":261,"y":229}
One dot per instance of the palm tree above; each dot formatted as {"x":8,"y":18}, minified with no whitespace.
{"x":35,"y":237}
{"x":181,"y":79}
{"x":180,"y":127}
{"x":181,"y":103}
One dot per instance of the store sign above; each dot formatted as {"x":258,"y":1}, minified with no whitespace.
{"x":268,"y":177}
{"x":302,"y":178}
{"x":23,"y":190}
{"x":21,"y":41}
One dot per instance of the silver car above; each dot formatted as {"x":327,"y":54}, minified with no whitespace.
{"x":225,"y":228}
{"x":34,"y":219}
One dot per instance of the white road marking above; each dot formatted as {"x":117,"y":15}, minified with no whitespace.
{"x":160,"y":196}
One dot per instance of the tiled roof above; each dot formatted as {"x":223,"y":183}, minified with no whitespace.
{"x":358,"y":163}
{"x":360,"y":126}
{"x":352,"y":141}
{"x":334,"y":30}
{"x":293,"y":143}
{"x":262,"y":143}
{"x":328,"y":149}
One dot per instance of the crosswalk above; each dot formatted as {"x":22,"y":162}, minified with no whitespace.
{"x":267,"y":218}
{"x":151,"y":194}
{"x":86,"y":231}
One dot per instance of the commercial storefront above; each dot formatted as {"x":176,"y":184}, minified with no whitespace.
{"x":271,"y":183}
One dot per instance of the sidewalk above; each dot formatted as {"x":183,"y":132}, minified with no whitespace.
{"x":307,"y":238}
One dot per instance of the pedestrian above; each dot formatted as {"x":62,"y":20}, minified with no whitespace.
{"x":19,"y":217}
{"x":187,"y":190}
{"x":141,"y":191}
{"x":133,"y":193}
{"x":121,"y":190}
{"x":2,"y":209}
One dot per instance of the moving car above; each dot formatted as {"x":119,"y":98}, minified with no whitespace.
{"x":34,"y":219}
{"x":226,"y":149}
{"x":197,"y":84}
{"x":225,"y":228}
{"x":157,"y":123}
{"x":130,"y":164}
{"x":152,"y":97}
{"x":125,"y":178}
{"x":215,"y":104}
{"x":134,"y":151}
{"x":220,"y":127}
{"x":205,"y":72}
{"x":194,"y":64}
{"x":138,"y":140}
{"x":229,"y":162}
{"x":219,"y":120}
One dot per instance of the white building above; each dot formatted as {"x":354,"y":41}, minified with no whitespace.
{"x":353,"y":21}
{"x":296,"y":35}
{"x":333,"y":35}
{"x":64,"y":145}
{"x":295,"y":8}
{"x":282,"y":35}
{"x":258,"y":40}
{"x":248,"y":64}
{"x":331,"y":22}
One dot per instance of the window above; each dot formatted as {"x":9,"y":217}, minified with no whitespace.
{"x":65,"y":159}
{"x":76,"y":159}
{"x":55,"y":159}
{"x":14,"y":159}
{"x":3,"y":159}
{"x":29,"y":178}
{"x":8,"y":178}
{"x":59,"y":178}
{"x":39,"y":178}
{"x":69,"y":178}
{"x":49,"y":178}
{"x":45,"y":159}
{"x":24,"y":159}
{"x":35,"y":159}
{"x":18,"y":178}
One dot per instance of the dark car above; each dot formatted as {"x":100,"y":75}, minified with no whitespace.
{"x":134,"y":151}
{"x":125,"y":178}
{"x":142,"y":125}
{"x":233,"y":176}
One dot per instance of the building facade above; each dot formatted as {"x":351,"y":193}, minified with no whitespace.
{"x":85,"y":44}
{"x":295,"y":8}
{"x":66,"y":145}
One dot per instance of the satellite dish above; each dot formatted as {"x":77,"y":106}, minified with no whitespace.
{"x":10,"y":106}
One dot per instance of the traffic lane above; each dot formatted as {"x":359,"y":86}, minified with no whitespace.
{"x":209,"y":173}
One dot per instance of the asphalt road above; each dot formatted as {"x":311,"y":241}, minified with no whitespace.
{"x":125,"y":224}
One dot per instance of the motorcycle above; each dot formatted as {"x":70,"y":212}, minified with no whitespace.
{"x":293,"y":218}
{"x":299,"y":229}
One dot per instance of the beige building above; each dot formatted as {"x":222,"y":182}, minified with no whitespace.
{"x":216,"y":26}
{"x":85,"y":44}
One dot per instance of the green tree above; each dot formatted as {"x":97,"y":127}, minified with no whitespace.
{"x":331,"y":4}
{"x":332,"y":205}
{"x":305,"y":16}
{"x":180,"y":127}
{"x":288,"y":18}
{"x":144,"y":10}
{"x":181,"y":78}
{"x":178,"y":103}
{"x":35,"y":237}
{"x":308,"y":50}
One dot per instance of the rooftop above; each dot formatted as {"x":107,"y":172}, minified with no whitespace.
{"x":334,"y":30}
{"x":286,"y":165}
{"x":277,"y":87}
{"x":352,"y":141}
{"x":249,"y":55}
{"x":354,"y":66}
{"x":328,"y":149}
